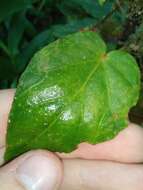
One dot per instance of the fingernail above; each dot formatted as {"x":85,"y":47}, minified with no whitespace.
{"x":37,"y":173}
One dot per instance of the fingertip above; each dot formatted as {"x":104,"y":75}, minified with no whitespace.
{"x":36,"y":170}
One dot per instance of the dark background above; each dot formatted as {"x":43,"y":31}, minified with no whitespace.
{"x":28,"y":25}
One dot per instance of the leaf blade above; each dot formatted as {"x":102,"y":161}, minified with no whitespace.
{"x":59,"y":110}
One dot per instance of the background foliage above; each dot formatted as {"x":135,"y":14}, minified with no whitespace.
{"x":28,"y":25}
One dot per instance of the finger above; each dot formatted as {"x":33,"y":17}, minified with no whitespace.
{"x":127,"y":146}
{"x":39,"y":170}
{"x":100,"y":175}
{"x":6,"y":97}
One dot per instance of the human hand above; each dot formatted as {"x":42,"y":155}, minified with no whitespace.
{"x":42,"y":170}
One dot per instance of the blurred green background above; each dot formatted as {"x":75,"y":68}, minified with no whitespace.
{"x":28,"y":25}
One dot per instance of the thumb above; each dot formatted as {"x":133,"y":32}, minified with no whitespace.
{"x":35,"y":170}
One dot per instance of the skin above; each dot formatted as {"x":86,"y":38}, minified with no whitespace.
{"x":112,"y":165}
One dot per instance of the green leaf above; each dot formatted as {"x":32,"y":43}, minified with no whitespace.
{"x":18,"y":26}
{"x":49,"y":35}
{"x":74,"y":26}
{"x":4,"y":47}
{"x":7,"y":7}
{"x":92,"y":7}
{"x":72,"y":92}
{"x":101,"y":2}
